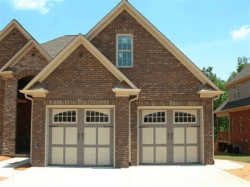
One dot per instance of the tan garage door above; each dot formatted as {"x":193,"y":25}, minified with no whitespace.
{"x":82,"y":137}
{"x":169,"y":136}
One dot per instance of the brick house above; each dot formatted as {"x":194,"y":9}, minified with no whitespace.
{"x":237,"y":109}
{"x":120,"y":95}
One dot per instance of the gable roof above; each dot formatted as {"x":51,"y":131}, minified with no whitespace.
{"x":54,"y":47}
{"x":124,"y":5}
{"x":32,"y":43}
{"x":80,"y":39}
{"x":242,"y":75}
{"x":14,"y":23}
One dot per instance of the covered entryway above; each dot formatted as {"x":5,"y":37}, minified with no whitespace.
{"x":81,"y":136}
{"x":169,"y":136}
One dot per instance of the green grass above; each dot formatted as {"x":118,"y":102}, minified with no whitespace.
{"x":241,"y":157}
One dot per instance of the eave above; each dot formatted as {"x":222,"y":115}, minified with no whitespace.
{"x":7,"y":74}
{"x":210,"y":94}
{"x":125,"y":92}
{"x":35,"y":93}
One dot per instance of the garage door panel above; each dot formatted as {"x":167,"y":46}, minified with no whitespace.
{"x":57,"y":135}
{"x":179,"y":135}
{"x":192,"y":154}
{"x":71,"y":135}
{"x":161,"y":135}
{"x":179,"y":154}
{"x":148,"y":155}
{"x":191,"y":135}
{"x":71,"y":155}
{"x":103,"y":156}
{"x":89,"y":156}
{"x":90,"y":136}
{"x":104,"y":136}
{"x":57,"y":155}
{"x":161,"y":154}
{"x":147,"y":136}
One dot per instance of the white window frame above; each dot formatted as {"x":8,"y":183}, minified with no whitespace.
{"x":146,"y":112}
{"x":105,"y":111}
{"x":193,"y":112}
{"x":132,"y":51}
{"x":237,"y":91}
{"x":57,"y":111}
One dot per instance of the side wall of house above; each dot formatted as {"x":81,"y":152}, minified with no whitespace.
{"x":238,"y":138}
{"x":244,"y":90}
{"x":161,"y":77}
{"x":2,"y":85}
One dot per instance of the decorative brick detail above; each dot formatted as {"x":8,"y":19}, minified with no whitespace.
{"x":124,"y":31}
{"x":79,"y":102}
{"x":10,"y":45}
{"x":2,"y":85}
{"x":10,"y":109}
{"x":26,"y":73}
{"x":38,"y":132}
{"x":121,"y":133}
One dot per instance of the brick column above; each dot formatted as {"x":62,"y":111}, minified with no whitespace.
{"x":134,"y":134}
{"x":1,"y":112}
{"x":9,"y":116}
{"x":38,"y":133}
{"x":121,"y":133}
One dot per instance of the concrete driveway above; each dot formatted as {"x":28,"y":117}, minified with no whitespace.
{"x":156,"y":176}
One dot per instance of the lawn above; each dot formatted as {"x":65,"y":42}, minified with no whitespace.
{"x":226,"y":156}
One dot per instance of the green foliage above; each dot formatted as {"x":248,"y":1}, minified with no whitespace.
{"x":242,"y":63}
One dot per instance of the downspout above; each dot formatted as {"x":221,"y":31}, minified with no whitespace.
{"x":31,"y":99}
{"x":214,"y":99}
{"x":129,"y":122}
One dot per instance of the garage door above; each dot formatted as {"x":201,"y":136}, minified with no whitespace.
{"x":82,"y":137}
{"x":169,"y":136}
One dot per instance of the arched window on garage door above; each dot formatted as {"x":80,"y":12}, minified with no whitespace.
{"x":154,"y":116}
{"x":185,"y":116}
{"x":64,"y":116}
{"x":97,"y":116}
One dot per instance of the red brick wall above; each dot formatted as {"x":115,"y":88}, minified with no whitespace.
{"x":9,"y":120}
{"x":10,"y":45}
{"x":38,"y":132}
{"x":236,"y":137}
{"x":121,"y":133}
{"x":2,"y":85}
{"x":81,"y":78}
{"x":159,"y":75}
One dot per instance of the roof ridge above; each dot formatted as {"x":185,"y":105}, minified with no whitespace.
{"x":58,"y":38}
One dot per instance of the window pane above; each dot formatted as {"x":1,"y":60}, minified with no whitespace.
{"x":129,"y":55}
{"x":185,"y":114}
{"x":158,"y":114}
{"x":119,"y":39}
{"x":185,"y":119}
{"x":163,"y":119}
{"x":129,"y":47}
{"x":176,"y":114}
{"x":119,"y":62}
{"x":64,"y":113}
{"x":180,"y":119}
{"x":97,"y":119}
{"x":88,"y":119}
{"x":88,"y":113}
{"x":69,"y":113}
{"x":189,"y":119}
{"x":92,"y":119}
{"x":74,"y":119}
{"x":73,"y":113}
{"x":119,"y":54}
{"x":64,"y":119}
{"x":55,"y":119}
{"x":60,"y":119}
{"x":124,"y":46}
{"x":119,"y":46}
{"x":193,"y":119}
{"x":180,"y":113}
{"x":101,"y":119}
{"x":106,"y":119}
{"x":129,"y":62}
{"x":124,"y":54}
{"x":176,"y":119}
{"x":158,"y":119}
{"x":124,"y":62}
{"x":69,"y":119}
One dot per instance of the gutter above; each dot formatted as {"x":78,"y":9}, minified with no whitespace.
{"x":129,"y":122}
{"x":31,"y":124}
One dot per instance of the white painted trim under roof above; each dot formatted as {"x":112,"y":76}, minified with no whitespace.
{"x":124,"y":5}
{"x":18,"y":56}
{"x":35,"y":93}
{"x":80,"y":39}
{"x":12,"y":25}
{"x":210,"y":94}
{"x":119,"y":92}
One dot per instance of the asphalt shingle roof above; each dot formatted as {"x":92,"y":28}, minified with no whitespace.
{"x":234,"y":104}
{"x":54,"y":47}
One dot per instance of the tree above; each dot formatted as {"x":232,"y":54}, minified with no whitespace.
{"x":242,"y":63}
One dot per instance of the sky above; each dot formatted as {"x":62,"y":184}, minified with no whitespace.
{"x":209,"y":32}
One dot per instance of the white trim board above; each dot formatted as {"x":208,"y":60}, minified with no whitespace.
{"x":125,"y":5}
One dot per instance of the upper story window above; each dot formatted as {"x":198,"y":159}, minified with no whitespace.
{"x":124,"y":51}
{"x":185,"y":116}
{"x":237,"y":91}
{"x":64,"y":116}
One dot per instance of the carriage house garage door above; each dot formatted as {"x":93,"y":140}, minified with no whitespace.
{"x":169,"y":136}
{"x":81,"y":136}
